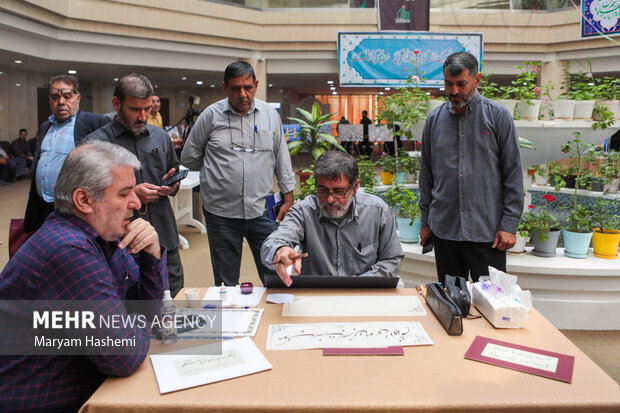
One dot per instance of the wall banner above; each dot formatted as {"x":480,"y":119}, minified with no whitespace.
{"x":403,"y":14}
{"x":600,"y":17}
{"x":390,"y":58}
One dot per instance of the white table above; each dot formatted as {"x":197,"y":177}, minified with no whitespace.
{"x":182,"y":205}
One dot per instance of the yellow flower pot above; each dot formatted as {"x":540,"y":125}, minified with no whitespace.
{"x":387,"y":178}
{"x":606,"y":244}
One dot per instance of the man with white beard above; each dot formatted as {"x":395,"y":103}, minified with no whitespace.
{"x":345,"y":233}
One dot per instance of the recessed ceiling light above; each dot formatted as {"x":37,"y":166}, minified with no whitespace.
{"x":212,"y":85}
{"x":116,"y":79}
{"x":18,"y":61}
{"x":156,"y":86}
{"x":388,"y":88}
{"x":442,"y":89}
{"x":199,"y":82}
{"x":334,"y":93}
{"x":1,"y":73}
{"x":380,"y":93}
{"x":428,"y":93}
{"x":271,"y":85}
{"x":72,"y":71}
{"x":330,"y":82}
{"x":184,"y":78}
{"x":332,"y":88}
{"x":18,"y":84}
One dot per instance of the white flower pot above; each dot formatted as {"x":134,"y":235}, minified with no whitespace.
{"x":509,"y":104}
{"x":530,"y":112}
{"x":583,"y":109}
{"x":563,"y":109}
{"x":613,"y":105}
{"x":519,"y":247}
{"x":540,"y":180}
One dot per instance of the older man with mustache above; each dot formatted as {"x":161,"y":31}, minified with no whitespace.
{"x":132,"y":101}
{"x":471,"y":184}
{"x":65,"y":129}
{"x":344,"y":232}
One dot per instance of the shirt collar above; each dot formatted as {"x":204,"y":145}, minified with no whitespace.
{"x":70,"y":121}
{"x":470,"y":106}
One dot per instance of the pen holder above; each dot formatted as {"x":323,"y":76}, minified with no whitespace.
{"x":246,"y":288}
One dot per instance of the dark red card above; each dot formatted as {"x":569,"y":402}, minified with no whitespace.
{"x":527,"y":359}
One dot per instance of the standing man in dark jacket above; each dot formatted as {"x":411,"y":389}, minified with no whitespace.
{"x":65,"y":129}
{"x":152,"y":146}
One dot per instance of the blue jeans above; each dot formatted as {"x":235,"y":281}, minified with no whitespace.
{"x":225,"y":237}
{"x":17,"y":165}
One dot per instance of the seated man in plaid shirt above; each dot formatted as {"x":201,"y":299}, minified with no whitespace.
{"x":77,"y":255}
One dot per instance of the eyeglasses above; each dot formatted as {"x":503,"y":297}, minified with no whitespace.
{"x":242,"y":148}
{"x":339,"y":194}
{"x":66,"y":93}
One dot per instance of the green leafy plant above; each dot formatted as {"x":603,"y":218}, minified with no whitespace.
{"x":308,"y":187}
{"x":492,"y":90}
{"x":603,"y":217}
{"x":388,"y":163}
{"x":541,"y":170}
{"x":403,"y":202}
{"x":608,"y":168}
{"x":406,"y":163}
{"x":525,"y":87}
{"x":579,"y":219}
{"x":602,"y":116}
{"x":577,"y":150}
{"x":367,"y":174}
{"x":556,"y":173}
{"x":312,"y":139}
{"x":579,"y":86}
{"x":538,"y":220}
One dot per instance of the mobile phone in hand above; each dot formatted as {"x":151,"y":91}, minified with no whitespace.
{"x":175,"y":178}
{"x":428,"y":245}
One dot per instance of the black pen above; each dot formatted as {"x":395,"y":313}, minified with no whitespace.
{"x":359,"y":246}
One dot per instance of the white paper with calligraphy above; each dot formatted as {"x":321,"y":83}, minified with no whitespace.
{"x":345,"y":335}
{"x":176,"y":370}
{"x":351,"y":306}
{"x":235,"y":322}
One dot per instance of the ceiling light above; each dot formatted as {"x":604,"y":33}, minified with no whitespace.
{"x":334,"y":93}
{"x":199,"y":82}
{"x":332,"y":88}
{"x":443,"y":89}
{"x":184,"y":78}
{"x":115,"y":79}
{"x":1,"y":73}
{"x":18,"y":84}
{"x":212,"y":85}
{"x":156,"y":86}
{"x":388,"y":88}
{"x":380,"y":93}
{"x":72,"y":71}
{"x":271,"y":85}
{"x":18,"y":61}
{"x":330,"y":82}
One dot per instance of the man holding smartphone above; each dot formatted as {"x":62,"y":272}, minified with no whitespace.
{"x":132,"y":101}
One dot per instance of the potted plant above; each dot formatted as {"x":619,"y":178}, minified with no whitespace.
{"x":409,"y":166}
{"x":580,"y":88}
{"x":556,"y":173}
{"x":542,"y":227}
{"x":405,"y":207}
{"x":519,"y":247}
{"x":608,"y":94}
{"x":606,"y":227}
{"x":307,"y":186}
{"x":312,"y":139}
{"x":562,"y":108}
{"x":540,"y":174}
{"x":500,"y":94}
{"x":609,"y":171}
{"x":389,"y":168}
{"x":526,"y":90}
{"x":367,"y":171}
{"x":577,"y":150}
{"x":578,"y":234}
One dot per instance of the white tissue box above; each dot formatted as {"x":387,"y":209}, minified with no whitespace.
{"x":502,"y":311}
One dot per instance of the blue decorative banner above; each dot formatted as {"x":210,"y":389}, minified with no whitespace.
{"x":390,"y":58}
{"x":600,"y":17}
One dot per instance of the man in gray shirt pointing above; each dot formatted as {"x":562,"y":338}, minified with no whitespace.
{"x":238,"y":145}
{"x":471,"y":183}
{"x":344,"y":232}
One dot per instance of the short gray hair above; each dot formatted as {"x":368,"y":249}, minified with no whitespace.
{"x":332,"y":164}
{"x":134,"y":85}
{"x":457,"y":62}
{"x":89,"y":166}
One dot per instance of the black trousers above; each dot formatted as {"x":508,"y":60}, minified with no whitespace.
{"x":464,"y":258}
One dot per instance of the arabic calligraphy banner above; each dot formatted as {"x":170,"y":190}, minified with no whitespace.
{"x":403,"y":14}
{"x":600,"y":17}
{"x":391,"y":58}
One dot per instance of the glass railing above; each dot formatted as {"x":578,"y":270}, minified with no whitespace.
{"x":549,"y":5}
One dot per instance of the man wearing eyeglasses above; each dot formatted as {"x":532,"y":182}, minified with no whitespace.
{"x":344,"y":232}
{"x":238,"y":145}
{"x":65,"y":129}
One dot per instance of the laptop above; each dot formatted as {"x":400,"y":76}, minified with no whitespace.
{"x":326,"y":281}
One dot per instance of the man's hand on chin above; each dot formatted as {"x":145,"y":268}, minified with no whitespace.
{"x":140,"y":235}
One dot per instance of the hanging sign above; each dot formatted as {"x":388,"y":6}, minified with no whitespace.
{"x":391,"y":58}
{"x":403,"y":14}
{"x":600,"y":17}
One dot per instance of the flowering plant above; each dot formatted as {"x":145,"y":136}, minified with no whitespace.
{"x":525,"y":87}
{"x":538,"y":220}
